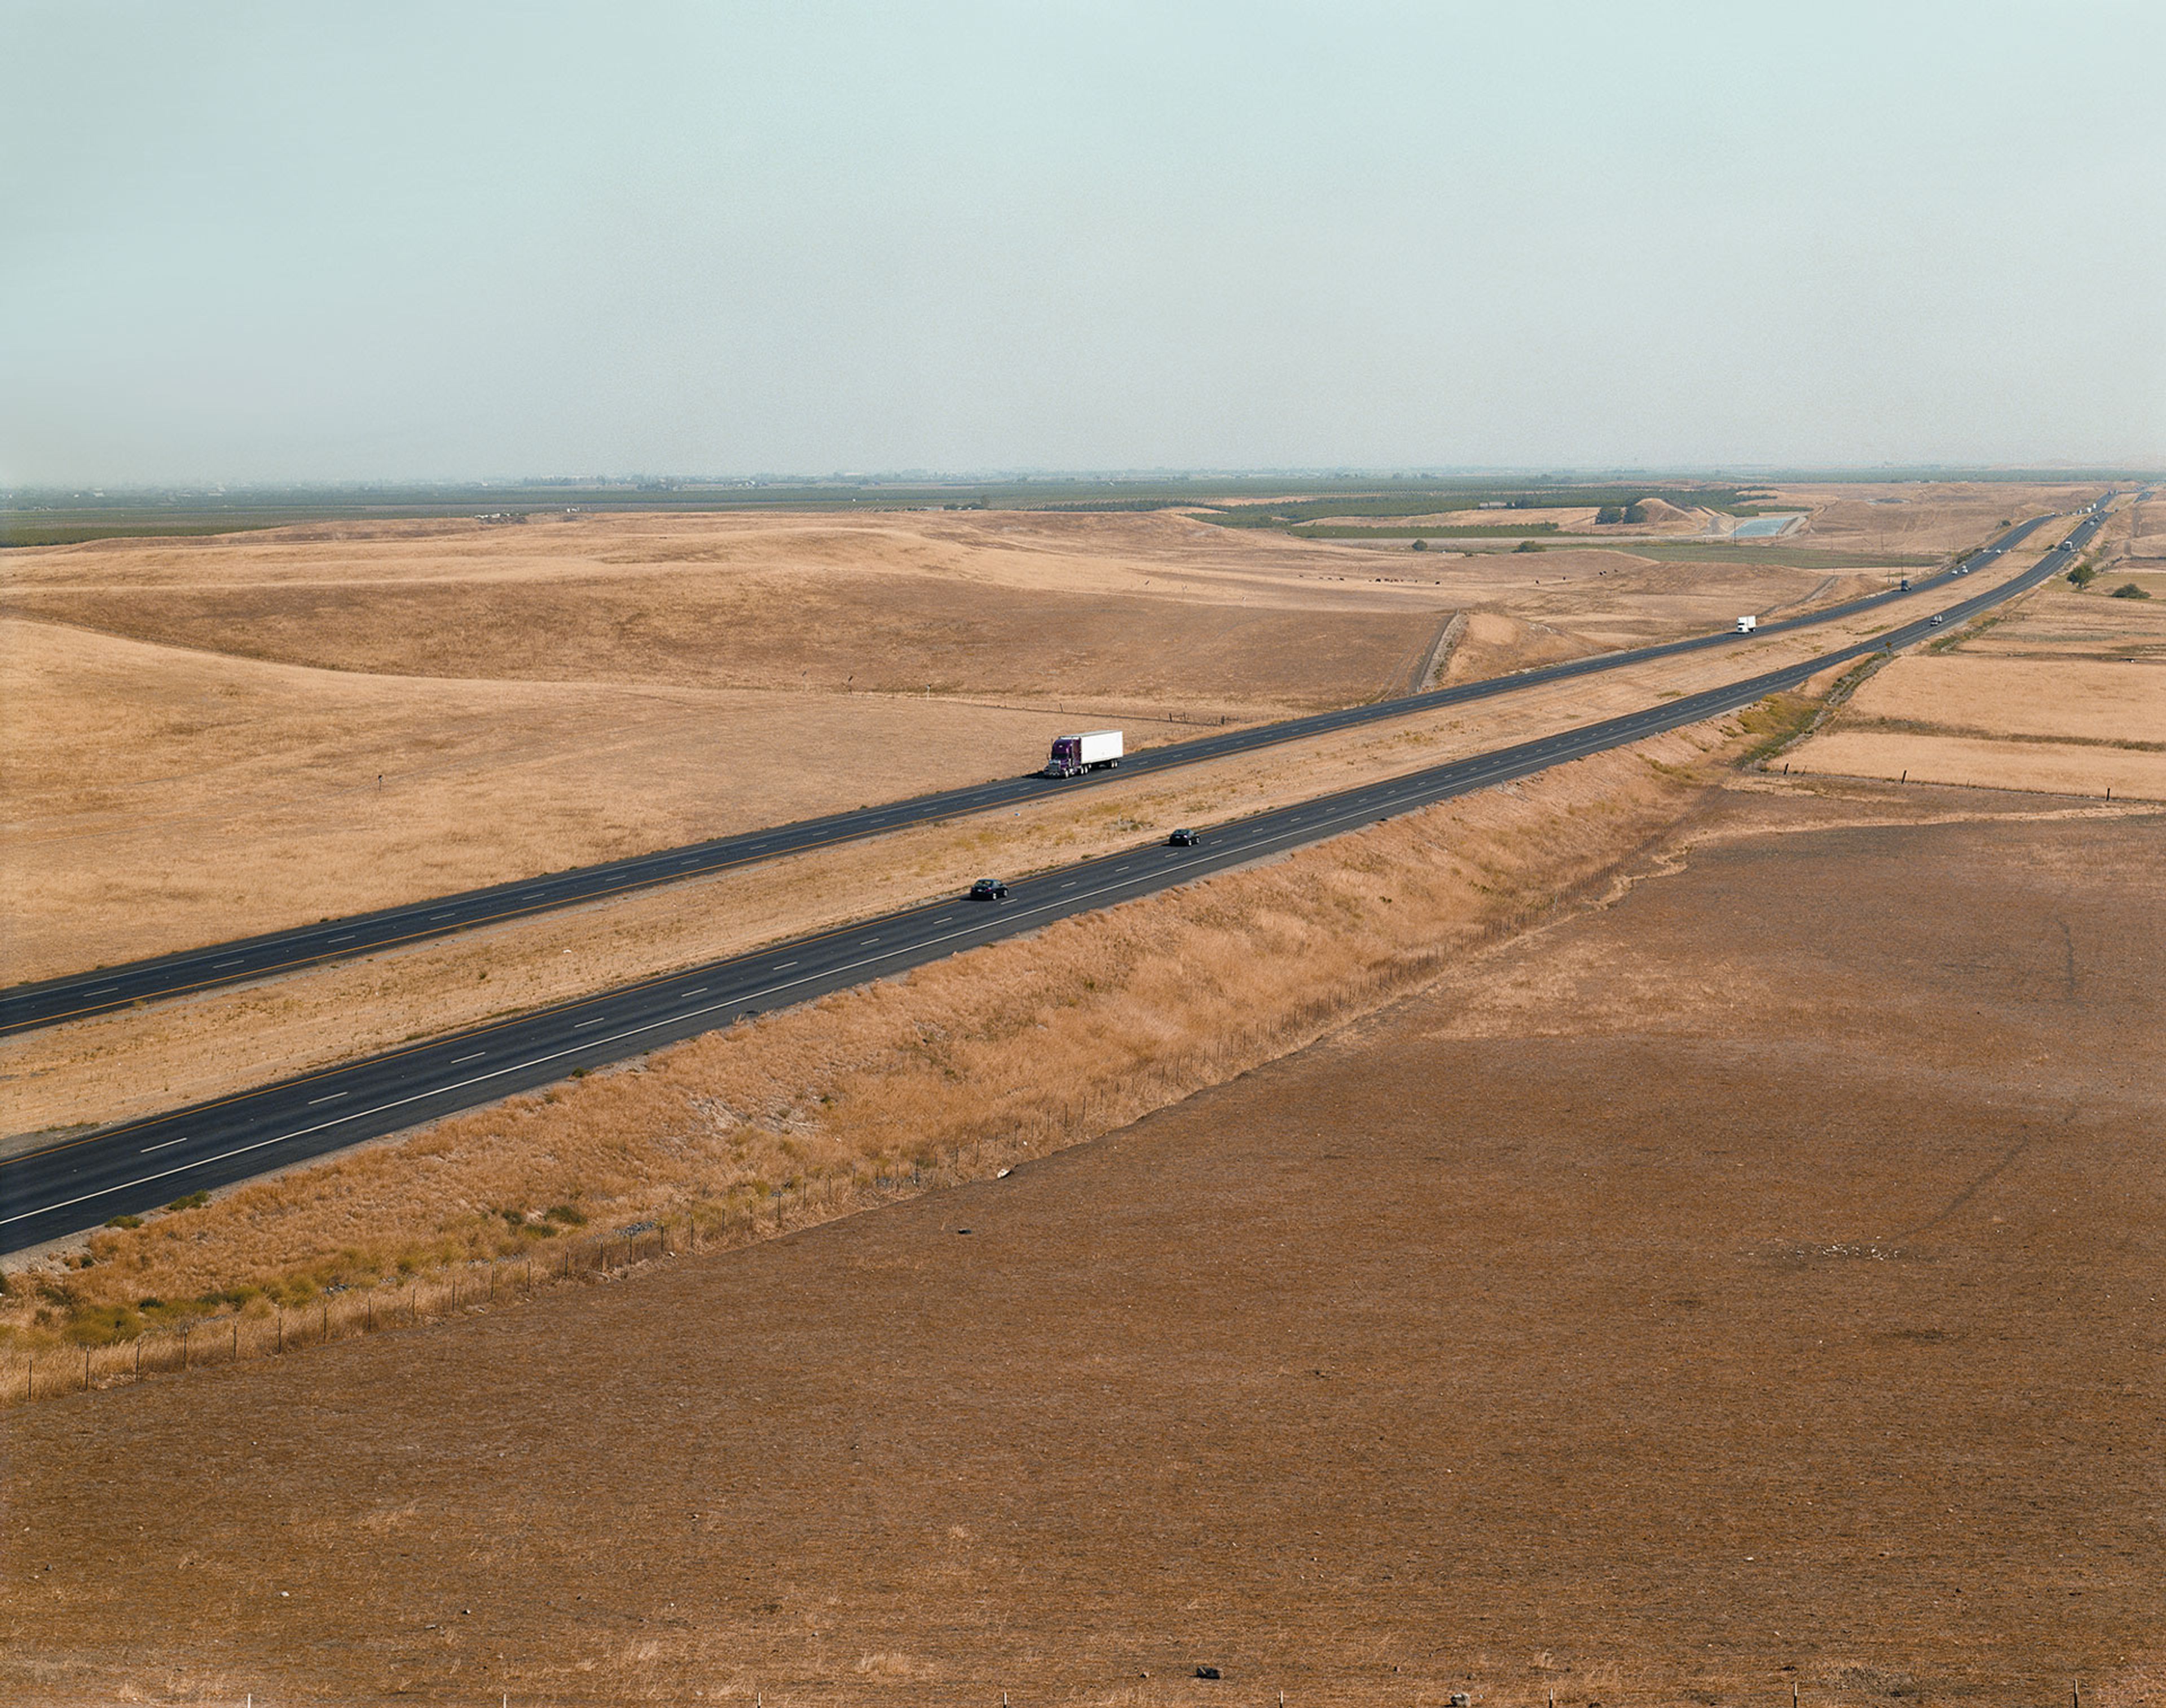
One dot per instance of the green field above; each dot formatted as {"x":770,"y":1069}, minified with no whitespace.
{"x":1501,"y":531}
{"x":1662,"y":551}
{"x":1283,"y":502}
{"x":1787,"y":556}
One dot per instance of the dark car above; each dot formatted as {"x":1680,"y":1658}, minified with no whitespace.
{"x":989,"y":890}
{"x":1183,"y":838}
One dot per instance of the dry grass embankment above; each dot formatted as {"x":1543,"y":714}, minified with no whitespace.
{"x":1015,"y":1049}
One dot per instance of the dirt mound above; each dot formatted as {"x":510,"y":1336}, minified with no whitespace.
{"x":1659,"y":511}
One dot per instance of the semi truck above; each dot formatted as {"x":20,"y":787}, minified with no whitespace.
{"x":1094,"y":750}
{"x":1746,"y":625}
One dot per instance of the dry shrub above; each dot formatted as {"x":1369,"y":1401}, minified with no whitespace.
{"x":1016,"y":1049}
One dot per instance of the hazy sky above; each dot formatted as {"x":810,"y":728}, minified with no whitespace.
{"x":322,"y":241}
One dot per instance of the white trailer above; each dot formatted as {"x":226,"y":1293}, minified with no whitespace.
{"x":1094,"y":750}
{"x":1746,"y":625}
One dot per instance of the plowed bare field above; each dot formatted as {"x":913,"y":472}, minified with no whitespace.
{"x":1754,"y":1282}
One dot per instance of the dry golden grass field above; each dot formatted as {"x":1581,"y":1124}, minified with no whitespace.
{"x":2066,"y":692}
{"x":194,"y":729}
{"x":1932,"y":516}
{"x":1746,"y":1282}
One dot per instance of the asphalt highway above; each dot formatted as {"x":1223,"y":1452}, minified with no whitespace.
{"x":25,"y":1006}
{"x":141,"y":1165}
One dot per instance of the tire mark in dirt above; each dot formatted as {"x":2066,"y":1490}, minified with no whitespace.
{"x":1978,"y":1183}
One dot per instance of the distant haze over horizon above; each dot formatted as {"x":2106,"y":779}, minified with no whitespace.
{"x":526,"y":489}
{"x":260,"y":246}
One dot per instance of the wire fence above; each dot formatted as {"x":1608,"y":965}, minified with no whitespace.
{"x":265,"y":1328}
{"x":271,"y":1330}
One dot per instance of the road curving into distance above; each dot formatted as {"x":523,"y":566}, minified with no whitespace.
{"x":140,"y":1164}
{"x":76,"y":996}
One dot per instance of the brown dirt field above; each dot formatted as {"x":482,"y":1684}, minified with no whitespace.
{"x":139,"y":1061}
{"x":1751,"y":1282}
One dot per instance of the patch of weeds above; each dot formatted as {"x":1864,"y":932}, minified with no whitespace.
{"x":103,"y":1326}
{"x":2128,"y":590}
{"x":191,"y":1201}
{"x":1778,"y":720}
{"x":571,"y":1215}
{"x":124,"y":1221}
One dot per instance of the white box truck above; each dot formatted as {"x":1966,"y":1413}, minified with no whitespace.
{"x":1746,"y":625}
{"x":1095,"y":750}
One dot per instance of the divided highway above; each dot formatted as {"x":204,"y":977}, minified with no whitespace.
{"x":76,"y":995}
{"x":141,"y":1165}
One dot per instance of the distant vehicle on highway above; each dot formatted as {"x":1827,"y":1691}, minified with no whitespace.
{"x":1746,"y":625}
{"x":1904,"y":586}
{"x":1183,"y":838}
{"x":989,"y":890}
{"x":1933,"y":620}
{"x":1094,"y":750}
